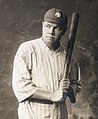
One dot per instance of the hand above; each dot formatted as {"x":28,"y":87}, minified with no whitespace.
{"x":64,"y":84}
{"x":61,"y":93}
{"x":58,"y":96}
{"x":76,"y":86}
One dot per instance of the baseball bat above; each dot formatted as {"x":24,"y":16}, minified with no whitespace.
{"x":70,"y":46}
{"x":71,"y":41}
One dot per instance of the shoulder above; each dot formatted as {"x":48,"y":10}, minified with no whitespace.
{"x":29,"y":44}
{"x":27,"y":47}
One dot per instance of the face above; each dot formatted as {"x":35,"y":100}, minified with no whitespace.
{"x":51,"y":33}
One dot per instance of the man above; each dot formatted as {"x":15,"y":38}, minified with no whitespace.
{"x":38,"y":71}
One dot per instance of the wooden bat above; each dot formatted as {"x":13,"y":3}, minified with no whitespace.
{"x":71,"y":41}
{"x":70,"y":45}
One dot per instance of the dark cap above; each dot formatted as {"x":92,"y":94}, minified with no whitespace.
{"x":55,"y":15}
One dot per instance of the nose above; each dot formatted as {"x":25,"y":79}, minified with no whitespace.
{"x":51,"y":31}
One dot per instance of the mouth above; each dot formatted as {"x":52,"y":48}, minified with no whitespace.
{"x":50,"y":37}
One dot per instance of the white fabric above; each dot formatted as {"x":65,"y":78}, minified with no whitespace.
{"x":37,"y":67}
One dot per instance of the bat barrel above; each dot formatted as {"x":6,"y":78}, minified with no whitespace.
{"x":71,"y":41}
{"x":74,"y":25}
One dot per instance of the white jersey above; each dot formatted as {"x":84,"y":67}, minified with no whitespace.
{"x":37,"y":67}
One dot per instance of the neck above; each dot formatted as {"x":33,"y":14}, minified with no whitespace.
{"x":54,"y":46}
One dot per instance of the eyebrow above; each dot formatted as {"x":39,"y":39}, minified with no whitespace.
{"x":52,"y":24}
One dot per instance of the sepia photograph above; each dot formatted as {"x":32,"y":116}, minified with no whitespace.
{"x":48,"y":59}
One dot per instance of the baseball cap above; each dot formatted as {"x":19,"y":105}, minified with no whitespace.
{"x":57,"y":16}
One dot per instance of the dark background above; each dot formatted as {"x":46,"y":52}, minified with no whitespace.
{"x":20,"y":20}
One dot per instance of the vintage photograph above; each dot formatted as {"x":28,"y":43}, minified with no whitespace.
{"x":48,"y":59}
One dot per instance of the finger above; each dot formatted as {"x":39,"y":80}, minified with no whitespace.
{"x":78,"y":89}
{"x":65,"y":81}
{"x":64,"y":87}
{"x":64,"y":94}
{"x":64,"y":84}
{"x":65,"y":91}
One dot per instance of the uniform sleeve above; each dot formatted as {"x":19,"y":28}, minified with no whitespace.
{"x":74,"y":76}
{"x":22,"y":84}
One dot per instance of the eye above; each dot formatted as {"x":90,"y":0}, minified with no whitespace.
{"x":47,"y":25}
{"x":58,"y":28}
